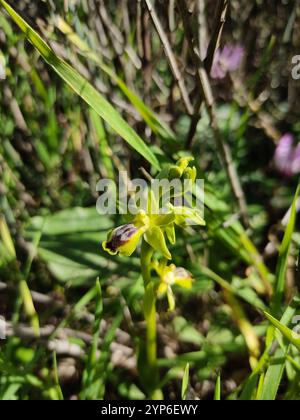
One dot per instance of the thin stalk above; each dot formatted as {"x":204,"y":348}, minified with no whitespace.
{"x":171,"y":58}
{"x":150,"y":318}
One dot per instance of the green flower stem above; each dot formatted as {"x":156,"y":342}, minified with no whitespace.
{"x":150,"y":317}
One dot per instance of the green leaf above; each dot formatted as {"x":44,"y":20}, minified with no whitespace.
{"x":103,"y":143}
{"x":185,"y":382}
{"x":7,"y":239}
{"x":273,"y":377}
{"x":91,"y":384}
{"x":84,"y":89}
{"x":275,"y":370}
{"x":103,"y":369}
{"x":217,"y":396}
{"x":250,"y":387}
{"x":59,"y":393}
{"x":152,"y":120}
{"x":283,"y":258}
{"x":10,"y":255}
{"x":268,"y":390}
{"x":292,"y":337}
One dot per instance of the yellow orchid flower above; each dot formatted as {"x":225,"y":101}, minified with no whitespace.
{"x":153,"y":226}
{"x":170,"y":276}
{"x":125,"y":239}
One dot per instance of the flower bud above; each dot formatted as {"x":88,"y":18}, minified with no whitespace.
{"x":176,"y":171}
{"x":190,"y":174}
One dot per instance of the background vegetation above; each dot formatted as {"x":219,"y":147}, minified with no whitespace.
{"x":67,"y":337}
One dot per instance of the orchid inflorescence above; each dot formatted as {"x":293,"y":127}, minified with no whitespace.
{"x":157,"y":229}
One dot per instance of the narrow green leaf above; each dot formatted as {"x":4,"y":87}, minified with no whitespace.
{"x":25,"y":294}
{"x":103,"y":143}
{"x":283,"y":259}
{"x":272,"y":379}
{"x":84,"y":89}
{"x":217,"y":396}
{"x":185,"y":382}
{"x":89,"y":375}
{"x":60,"y":396}
{"x":7,"y":239}
{"x":292,"y":337}
{"x":275,"y":370}
{"x":29,"y":306}
{"x":260,"y":387}
{"x":152,"y":120}
{"x":250,"y":387}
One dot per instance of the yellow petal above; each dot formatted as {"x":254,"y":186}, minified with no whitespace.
{"x":171,"y":299}
{"x":185,"y":283}
{"x":162,"y":289}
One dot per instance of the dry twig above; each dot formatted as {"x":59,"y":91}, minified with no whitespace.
{"x":171,"y":58}
{"x":214,"y":44}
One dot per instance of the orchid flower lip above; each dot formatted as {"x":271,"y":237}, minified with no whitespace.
{"x":120,"y":236}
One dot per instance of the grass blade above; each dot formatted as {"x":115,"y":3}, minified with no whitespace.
{"x":273,"y":376}
{"x":275,"y":371}
{"x":185,"y":382}
{"x":56,"y":379}
{"x":152,"y":120}
{"x":104,"y":149}
{"x":290,"y":335}
{"x":217,"y":396}
{"x":89,"y":375}
{"x":11,"y":256}
{"x":245,"y":327}
{"x":283,"y":259}
{"x":6,"y":239}
{"x":272,"y":379}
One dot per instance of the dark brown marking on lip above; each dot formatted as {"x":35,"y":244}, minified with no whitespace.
{"x":121,"y":236}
